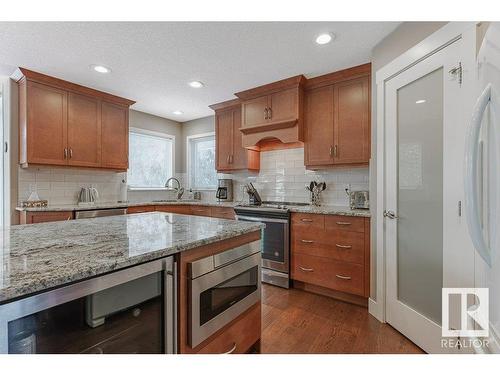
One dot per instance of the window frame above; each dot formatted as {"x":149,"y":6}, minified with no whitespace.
{"x":189,"y":138}
{"x":153,"y":134}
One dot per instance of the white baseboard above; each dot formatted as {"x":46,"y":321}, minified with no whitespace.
{"x":376,"y":310}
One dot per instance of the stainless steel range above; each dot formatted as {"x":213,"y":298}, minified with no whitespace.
{"x":275,"y":239}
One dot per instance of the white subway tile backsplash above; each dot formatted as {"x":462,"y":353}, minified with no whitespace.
{"x":283,"y":177}
{"x":62,"y":185}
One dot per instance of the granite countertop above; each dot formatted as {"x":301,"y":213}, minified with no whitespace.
{"x":103,"y":205}
{"x":325,"y":209}
{"x":331,"y":210}
{"x":37,"y":257}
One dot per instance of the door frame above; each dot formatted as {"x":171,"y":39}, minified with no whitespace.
{"x":432,"y":44}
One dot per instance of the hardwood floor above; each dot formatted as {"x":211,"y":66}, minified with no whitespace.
{"x":294,"y":321}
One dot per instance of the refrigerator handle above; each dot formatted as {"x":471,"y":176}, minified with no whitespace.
{"x":471,"y":175}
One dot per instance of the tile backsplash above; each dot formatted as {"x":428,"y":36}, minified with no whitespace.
{"x":283,"y":177}
{"x":62,"y":185}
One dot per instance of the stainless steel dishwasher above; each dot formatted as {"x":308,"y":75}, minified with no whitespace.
{"x":90,"y":214}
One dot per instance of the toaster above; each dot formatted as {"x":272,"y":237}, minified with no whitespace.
{"x":359,"y":200}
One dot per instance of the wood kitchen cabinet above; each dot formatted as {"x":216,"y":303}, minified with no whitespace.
{"x":273,"y":111}
{"x":230,"y":153}
{"x":62,"y":123}
{"x":33,"y":217}
{"x":337,"y":119}
{"x":331,"y":255}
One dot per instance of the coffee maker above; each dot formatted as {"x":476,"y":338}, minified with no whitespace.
{"x":225,"y":190}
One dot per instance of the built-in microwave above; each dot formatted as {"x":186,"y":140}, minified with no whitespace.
{"x":222,"y":287}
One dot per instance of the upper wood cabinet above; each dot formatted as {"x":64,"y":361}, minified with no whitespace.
{"x":62,"y":123}
{"x":84,"y":130}
{"x":230,"y":153}
{"x":114,"y":125}
{"x":337,"y":118}
{"x":272,"y":111}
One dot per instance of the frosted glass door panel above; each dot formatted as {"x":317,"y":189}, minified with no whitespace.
{"x":420,"y":194}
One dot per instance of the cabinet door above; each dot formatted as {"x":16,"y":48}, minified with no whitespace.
{"x":47,"y":124}
{"x":239,"y":158}
{"x":45,"y":217}
{"x":224,"y":138}
{"x":352,"y":121}
{"x":84,"y":130}
{"x":254,"y":111}
{"x":284,"y":105}
{"x":114,"y":123}
{"x":319,"y":126}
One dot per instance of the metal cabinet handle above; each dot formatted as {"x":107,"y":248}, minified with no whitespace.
{"x":306,"y":220}
{"x":307,"y":241}
{"x":70,"y":153}
{"x":343,"y":277}
{"x":270,"y":113}
{"x":230,"y":159}
{"x":306,"y":269}
{"x":65,"y":153}
{"x":331,"y":151}
{"x":266,"y":114}
{"x":335,"y":151}
{"x":343,"y":223}
{"x":343,"y":246}
{"x":231,"y":350}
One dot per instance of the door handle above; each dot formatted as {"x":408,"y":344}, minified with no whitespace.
{"x":306,"y":269}
{"x":343,"y":246}
{"x":270,"y":113}
{"x":472,"y":203}
{"x":390,"y":215}
{"x":306,"y":220}
{"x":266,"y":114}
{"x":70,"y":153}
{"x":65,"y":153}
{"x":307,"y":241}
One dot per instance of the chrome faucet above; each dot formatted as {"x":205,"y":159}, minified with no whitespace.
{"x":179,"y":189}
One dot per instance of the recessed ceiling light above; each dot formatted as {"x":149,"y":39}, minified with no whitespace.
{"x":177,"y":112}
{"x":420,"y":101}
{"x":324,"y":38}
{"x":196,"y":84}
{"x":101,"y":69}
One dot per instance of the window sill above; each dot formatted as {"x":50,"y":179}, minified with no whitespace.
{"x":149,"y":189}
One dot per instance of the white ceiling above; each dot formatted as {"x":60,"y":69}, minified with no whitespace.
{"x":153,"y":62}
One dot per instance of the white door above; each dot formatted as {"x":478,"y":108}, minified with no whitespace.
{"x":424,"y":230}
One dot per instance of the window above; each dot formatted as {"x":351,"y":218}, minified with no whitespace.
{"x":151,"y":159}
{"x":201,"y":162}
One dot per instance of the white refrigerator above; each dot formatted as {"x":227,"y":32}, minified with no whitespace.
{"x":482,"y":177}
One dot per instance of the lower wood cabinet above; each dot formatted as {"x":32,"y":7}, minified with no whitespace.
{"x":222,"y":212}
{"x":175,"y":209}
{"x":332,"y":252}
{"x":140,"y":209}
{"x":32,"y":217}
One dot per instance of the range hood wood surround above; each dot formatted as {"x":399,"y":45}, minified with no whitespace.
{"x":273,"y":111}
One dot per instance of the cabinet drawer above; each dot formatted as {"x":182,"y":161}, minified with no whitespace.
{"x":334,"y":244}
{"x":140,"y":209}
{"x":45,"y":217}
{"x":239,"y":336}
{"x":329,"y":273}
{"x":347,"y":223}
{"x":200,"y":210}
{"x":308,"y":220}
{"x":222,"y":212}
{"x":185,"y":210}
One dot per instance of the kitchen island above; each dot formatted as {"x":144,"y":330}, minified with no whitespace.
{"x":38,"y":260}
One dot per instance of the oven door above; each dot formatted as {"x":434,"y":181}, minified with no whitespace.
{"x":220,"y":296}
{"x":275,"y":242}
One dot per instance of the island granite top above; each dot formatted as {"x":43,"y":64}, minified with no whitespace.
{"x":37,"y":257}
